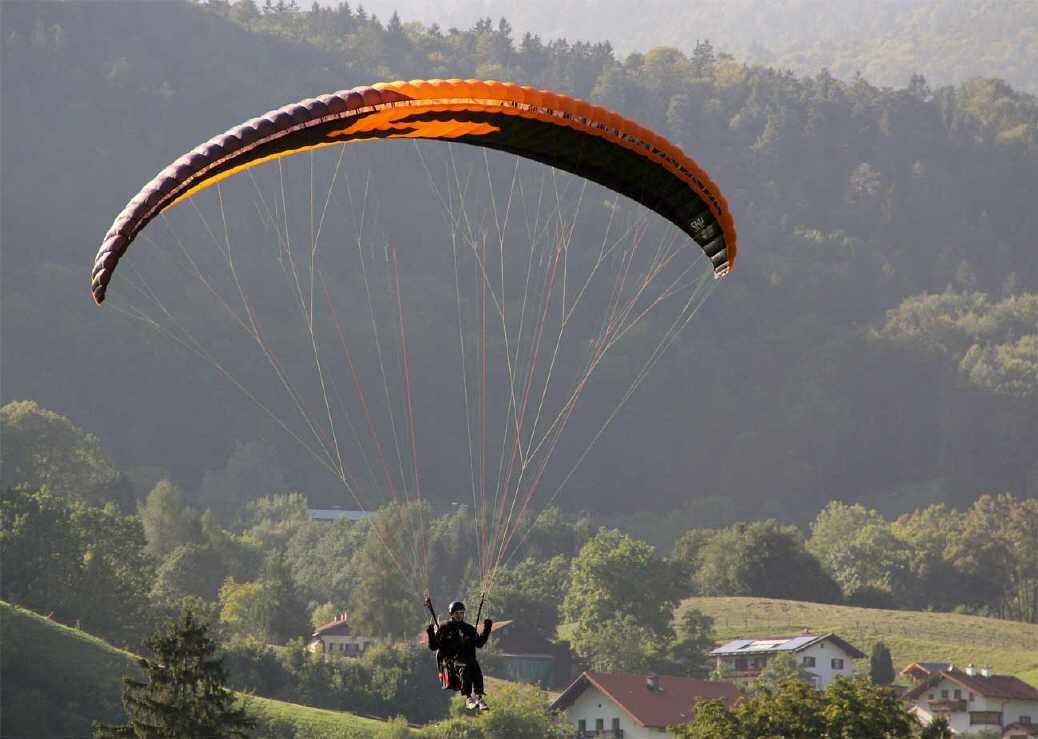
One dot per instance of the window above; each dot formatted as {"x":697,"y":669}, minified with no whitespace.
{"x":582,"y":726}
{"x":990,"y":718}
{"x":931,"y":696}
{"x":1025,"y":720}
{"x":971,"y":695}
{"x":599,"y":724}
{"x":944,"y":695}
{"x":837,"y":663}
{"x":808,"y":662}
{"x":616,"y":725}
{"x":740,"y":663}
{"x":958,"y":694}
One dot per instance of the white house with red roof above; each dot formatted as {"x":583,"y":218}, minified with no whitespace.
{"x":336,"y":637}
{"x":824,"y":656}
{"x":615,"y":705}
{"x":974,"y":699}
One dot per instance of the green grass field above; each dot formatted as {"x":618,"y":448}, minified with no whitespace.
{"x":1009,"y":647}
{"x":57,"y":680}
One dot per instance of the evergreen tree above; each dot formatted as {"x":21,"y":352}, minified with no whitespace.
{"x":184,"y":694}
{"x":881,"y":667}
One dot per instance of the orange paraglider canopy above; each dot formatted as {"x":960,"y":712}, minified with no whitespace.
{"x":560,"y":131}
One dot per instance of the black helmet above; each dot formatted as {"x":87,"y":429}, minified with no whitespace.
{"x":456,"y":606}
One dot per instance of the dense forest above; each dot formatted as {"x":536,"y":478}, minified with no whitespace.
{"x":885,"y":41}
{"x":876,"y":341}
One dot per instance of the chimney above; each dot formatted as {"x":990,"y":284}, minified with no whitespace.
{"x":985,"y":671}
{"x":652,"y":682}
{"x":971,"y":670}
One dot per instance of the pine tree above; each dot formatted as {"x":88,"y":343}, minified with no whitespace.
{"x":184,"y":694}
{"x":881,"y":667}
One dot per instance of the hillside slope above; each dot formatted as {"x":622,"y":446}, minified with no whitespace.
{"x":57,"y":681}
{"x":1009,"y":647}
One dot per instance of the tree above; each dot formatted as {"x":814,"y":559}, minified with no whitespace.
{"x":996,"y":549}
{"x":248,"y":608}
{"x":521,"y":712}
{"x":528,"y":592}
{"x":703,"y":59}
{"x":712,"y":720}
{"x":251,"y":472}
{"x":190,"y":570}
{"x":41,"y":556}
{"x":184,"y":693}
{"x":320,"y":556}
{"x":116,"y":575}
{"x":881,"y":666}
{"x":272,"y":521}
{"x":937,"y":729}
{"x":695,"y":637}
{"x":168,"y":521}
{"x":383,"y":601}
{"x":930,"y":533}
{"x":621,"y":644}
{"x":764,"y":559}
{"x":860,"y":550}
{"x":779,"y":669}
{"x":856,"y":708}
{"x":288,"y":618}
{"x":323,"y":614}
{"x":613,"y":575}
{"x":400,"y":682}
{"x":78,"y":562}
{"x":847,"y":708}
{"x":44,"y":448}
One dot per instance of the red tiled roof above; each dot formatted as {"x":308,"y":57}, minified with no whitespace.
{"x":995,"y":686}
{"x":671,"y":704}
{"x":926,"y":668}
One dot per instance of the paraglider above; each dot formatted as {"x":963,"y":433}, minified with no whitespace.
{"x":546,"y":127}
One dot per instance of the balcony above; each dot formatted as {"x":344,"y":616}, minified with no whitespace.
{"x":599,"y":734}
{"x":948,"y":705}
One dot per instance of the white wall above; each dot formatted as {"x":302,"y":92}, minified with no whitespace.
{"x":593,"y":704}
{"x":1015,"y":709}
{"x":824,"y":652}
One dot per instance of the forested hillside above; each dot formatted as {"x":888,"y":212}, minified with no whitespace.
{"x":886,"y":41}
{"x":875,"y":341}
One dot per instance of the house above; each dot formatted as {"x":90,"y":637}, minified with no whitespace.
{"x":335,"y":637}
{"x":823,"y":656}
{"x":1020,"y":731}
{"x":617,"y":705}
{"x":919,"y":671}
{"x":974,"y":699}
{"x":334,"y":514}
{"x":519,"y":653}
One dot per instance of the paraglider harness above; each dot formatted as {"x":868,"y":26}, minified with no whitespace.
{"x":446,"y":665}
